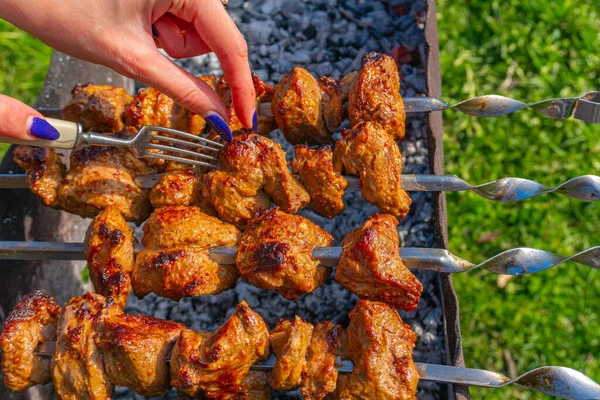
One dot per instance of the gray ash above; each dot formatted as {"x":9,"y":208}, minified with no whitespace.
{"x":329,"y":37}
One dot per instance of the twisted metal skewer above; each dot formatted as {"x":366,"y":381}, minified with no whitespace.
{"x":585,"y":187}
{"x":518,"y":261}
{"x":585,"y":107}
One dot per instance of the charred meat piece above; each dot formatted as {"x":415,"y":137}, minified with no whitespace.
{"x":307,"y":110}
{"x":375,"y":95}
{"x":104,"y":176}
{"x":45,"y":171}
{"x":320,"y":372}
{"x":180,"y":188}
{"x":325,"y":187}
{"x":217,"y":364}
{"x":261,"y":164}
{"x":370,"y":265}
{"x":275,"y":252}
{"x":175,"y":261}
{"x":150,"y":107}
{"x":290,"y":342}
{"x":32,"y":322}
{"x":77,"y":366}
{"x":369,"y":153}
{"x":97,"y":108}
{"x":381,"y":348}
{"x":108,"y":250}
{"x":135,"y":350}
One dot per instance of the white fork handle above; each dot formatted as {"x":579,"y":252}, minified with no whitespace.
{"x":67,"y":140}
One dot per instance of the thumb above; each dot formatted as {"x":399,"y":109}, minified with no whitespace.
{"x":19,"y":121}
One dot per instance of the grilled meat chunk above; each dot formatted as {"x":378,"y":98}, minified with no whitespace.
{"x":255,"y":386}
{"x":217,"y":364}
{"x":325,"y":187}
{"x":104,"y":176}
{"x":45,"y":171}
{"x":275,"y":252}
{"x":375,"y":95}
{"x":381,"y":348}
{"x":97,"y":108}
{"x":260,"y":163}
{"x":369,"y":153}
{"x":30,"y":323}
{"x":175,"y":261}
{"x":180,"y":188}
{"x":307,"y":110}
{"x":150,"y":107}
{"x":370,"y":265}
{"x":77,"y":366}
{"x":320,"y":372}
{"x":135,"y":350}
{"x":108,"y":250}
{"x":290,"y":342}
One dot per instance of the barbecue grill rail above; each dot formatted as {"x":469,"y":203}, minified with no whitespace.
{"x":561,"y":382}
{"x":518,"y":261}
{"x":505,"y":190}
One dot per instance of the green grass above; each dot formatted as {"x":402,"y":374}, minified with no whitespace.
{"x":530,"y":51}
{"x":24,"y":61}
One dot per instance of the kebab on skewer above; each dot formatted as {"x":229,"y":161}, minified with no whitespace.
{"x":275,"y":252}
{"x":98,"y":346}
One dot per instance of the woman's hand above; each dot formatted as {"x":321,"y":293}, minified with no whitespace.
{"x":123,"y":35}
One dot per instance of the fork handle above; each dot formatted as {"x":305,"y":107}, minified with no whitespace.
{"x":67,"y":140}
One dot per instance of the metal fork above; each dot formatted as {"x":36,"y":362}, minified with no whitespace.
{"x":148,"y":142}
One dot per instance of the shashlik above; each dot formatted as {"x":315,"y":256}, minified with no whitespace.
{"x":98,"y":346}
{"x":274,"y":252}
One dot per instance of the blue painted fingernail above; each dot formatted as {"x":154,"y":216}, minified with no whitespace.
{"x":219,"y":125}
{"x":42,"y":129}
{"x":255,"y":122}
{"x":154,"y":32}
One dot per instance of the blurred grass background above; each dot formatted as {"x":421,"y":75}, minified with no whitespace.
{"x":529,"y":50}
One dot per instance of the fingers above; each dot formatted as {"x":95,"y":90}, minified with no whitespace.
{"x":19,"y":121}
{"x":155,"y":70}
{"x":178,"y":38}
{"x":222,"y":36}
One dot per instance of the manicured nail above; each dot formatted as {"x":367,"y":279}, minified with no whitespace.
{"x":154,"y":32}
{"x":219,"y":125}
{"x":255,"y":122}
{"x":42,"y":129}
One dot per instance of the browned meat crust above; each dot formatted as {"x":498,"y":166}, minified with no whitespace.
{"x":371,"y":154}
{"x":135,"y":350}
{"x":150,"y":107}
{"x":175,"y":261}
{"x":45,"y":172}
{"x":324,"y":185}
{"x":180,"y":188}
{"x":108,"y":250}
{"x":381,"y":349}
{"x":275,"y":252}
{"x":32,"y":322}
{"x":97,"y":108}
{"x":290,"y":342}
{"x":370,"y":265}
{"x":375,"y":95}
{"x":216,"y":364}
{"x":320,"y":373}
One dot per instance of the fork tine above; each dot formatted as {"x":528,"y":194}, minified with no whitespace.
{"x":183,"y":142}
{"x":185,"y":135}
{"x":172,"y":149}
{"x":179,"y":159}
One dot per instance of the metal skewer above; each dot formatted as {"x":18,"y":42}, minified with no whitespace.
{"x":518,"y":261}
{"x":506,"y":190}
{"x":585,"y":107}
{"x":561,"y":382}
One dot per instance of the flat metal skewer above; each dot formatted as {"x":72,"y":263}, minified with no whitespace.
{"x":505,"y":190}
{"x":561,"y":382}
{"x":518,"y":261}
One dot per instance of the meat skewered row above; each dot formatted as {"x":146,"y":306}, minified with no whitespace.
{"x":98,"y":346}
{"x":275,"y":252}
{"x":253,"y":170}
